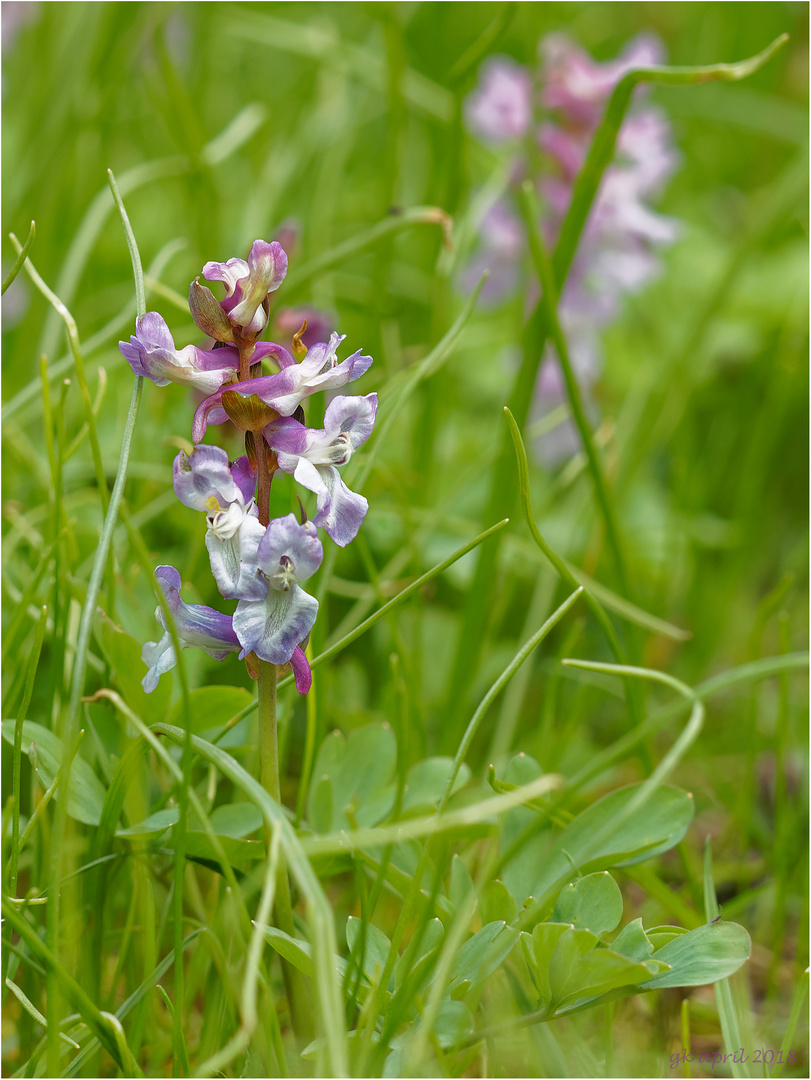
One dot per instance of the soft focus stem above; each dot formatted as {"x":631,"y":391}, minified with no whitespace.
{"x":270,"y":780}
{"x":549,"y":300}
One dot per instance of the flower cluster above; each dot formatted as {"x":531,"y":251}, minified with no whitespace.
{"x":256,"y":561}
{"x":617,"y":254}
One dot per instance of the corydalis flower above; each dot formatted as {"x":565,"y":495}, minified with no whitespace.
{"x":206,"y":481}
{"x":314,"y":456}
{"x":272,"y":628}
{"x":247,"y":287}
{"x":283,"y":392}
{"x":196,"y":625}
{"x":578,"y":85}
{"x":500,"y":109}
{"x":152,"y":354}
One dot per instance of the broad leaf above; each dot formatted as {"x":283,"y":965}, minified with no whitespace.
{"x":704,"y":955}
{"x":592,"y":903}
{"x":85,"y":792}
{"x":376,"y":947}
{"x":153,"y":825}
{"x":211,"y":707}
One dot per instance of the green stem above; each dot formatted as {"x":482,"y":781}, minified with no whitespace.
{"x":549,"y":300}
{"x":271,"y":782}
{"x":33,"y":661}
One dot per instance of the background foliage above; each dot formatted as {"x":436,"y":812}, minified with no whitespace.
{"x":223,"y":122}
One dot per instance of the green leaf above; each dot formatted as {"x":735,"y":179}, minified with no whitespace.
{"x":661,"y":935}
{"x":320,"y":805}
{"x":240,"y":853}
{"x":592,"y":903}
{"x":599,"y":972}
{"x":86,"y":792}
{"x":211,"y":707}
{"x":153,"y":825}
{"x":633,"y":942}
{"x":702,"y":956}
{"x":359,"y":772}
{"x":236,"y":819}
{"x":538,"y":952}
{"x":431,"y":942}
{"x":481,"y":954}
{"x":496,"y":903}
{"x":461,"y":883}
{"x":572,"y":946}
{"x":520,"y":874}
{"x":453,"y":1023}
{"x":657,"y":826}
{"x":376,"y":947}
{"x":299,"y":953}
{"x":123,"y":654}
{"x":425,"y":783}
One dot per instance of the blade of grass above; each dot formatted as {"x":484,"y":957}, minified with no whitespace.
{"x":356,"y":245}
{"x":76,"y":349}
{"x":249,"y":1020}
{"x":33,"y":663}
{"x":396,"y":402}
{"x":727,"y":1013}
{"x":21,"y":257}
{"x":530,"y":210}
{"x":34,"y":1012}
{"x":797,"y":1004}
{"x":137,"y":996}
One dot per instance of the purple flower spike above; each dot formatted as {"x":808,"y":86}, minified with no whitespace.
{"x":319,"y":370}
{"x":248,"y":284}
{"x":312,"y":457}
{"x":196,"y":624}
{"x":273,"y":628}
{"x":500,"y":109}
{"x":206,"y":481}
{"x":152,"y":354}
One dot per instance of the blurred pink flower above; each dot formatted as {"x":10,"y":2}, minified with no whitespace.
{"x":617,"y":254}
{"x":500,"y":109}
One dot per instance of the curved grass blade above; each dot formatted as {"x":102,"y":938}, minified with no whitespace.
{"x":75,"y":347}
{"x":21,"y":257}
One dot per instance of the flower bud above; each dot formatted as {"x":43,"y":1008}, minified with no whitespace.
{"x":207,"y":313}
